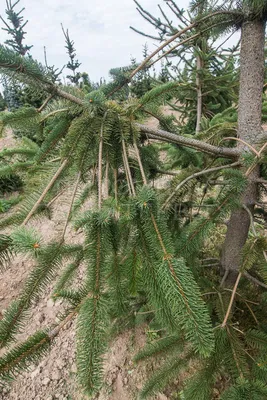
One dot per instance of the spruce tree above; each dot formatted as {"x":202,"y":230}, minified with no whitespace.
{"x":144,"y":246}
{"x":73,"y":64}
{"x":199,"y":64}
{"x":14,"y":26}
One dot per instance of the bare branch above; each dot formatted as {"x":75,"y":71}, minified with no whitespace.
{"x":189,"y":142}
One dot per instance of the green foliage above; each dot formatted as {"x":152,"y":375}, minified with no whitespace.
{"x":9,"y":182}
{"x":2,"y":103}
{"x":160,"y":379}
{"x":138,"y":260}
{"x":72,"y":64}
{"x":91,"y":336}
{"x":16,"y":28}
{"x":23,"y":355}
{"x":5,"y":253}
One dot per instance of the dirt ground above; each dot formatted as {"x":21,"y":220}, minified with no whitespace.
{"x":55,"y":376}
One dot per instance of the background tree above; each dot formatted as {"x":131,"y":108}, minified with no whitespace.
{"x":197,"y":65}
{"x":73,"y":64}
{"x":14,"y":26}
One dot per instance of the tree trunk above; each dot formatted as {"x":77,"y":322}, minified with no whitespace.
{"x":249,"y":130}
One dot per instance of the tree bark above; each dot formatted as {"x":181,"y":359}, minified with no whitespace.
{"x":249,"y":130}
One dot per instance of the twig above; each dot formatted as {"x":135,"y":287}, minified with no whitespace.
{"x":128,"y":167}
{"x":126,"y":174}
{"x":46,"y":190}
{"x":160,"y":171}
{"x":140,"y":162}
{"x":39,"y":110}
{"x":173,"y":48}
{"x":71,"y":204}
{"x":100,"y":155}
{"x":254,"y":280}
{"x":54,"y":113}
{"x":231,"y":300}
{"x":115,"y":172}
{"x":178,"y":34}
{"x":106,"y":179}
{"x":245,"y":143}
{"x":55,"y":198}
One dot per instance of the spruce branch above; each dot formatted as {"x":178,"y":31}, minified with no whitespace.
{"x":196,"y":175}
{"x":245,"y":143}
{"x":188,"y":142}
{"x":180,"y":33}
{"x":100,"y":156}
{"x":182,"y":42}
{"x":37,"y":75}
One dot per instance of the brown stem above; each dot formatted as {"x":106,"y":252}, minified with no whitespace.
{"x":68,"y":96}
{"x":45,"y":103}
{"x":46,"y":190}
{"x":71,"y":204}
{"x":106,"y":179}
{"x":140,"y":163}
{"x":115,"y":171}
{"x":199,"y":93}
{"x":124,"y":149}
{"x":55,"y":198}
{"x":126,"y":174}
{"x":100,"y":156}
{"x":231,"y":300}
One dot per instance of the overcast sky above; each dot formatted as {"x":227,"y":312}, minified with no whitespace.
{"x":100,"y":29}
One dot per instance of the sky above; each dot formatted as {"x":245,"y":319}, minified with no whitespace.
{"x":100,"y":29}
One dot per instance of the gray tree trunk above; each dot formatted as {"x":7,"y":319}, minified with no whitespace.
{"x":249,"y":130}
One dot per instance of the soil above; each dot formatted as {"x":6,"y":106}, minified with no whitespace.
{"x":55,"y":376}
